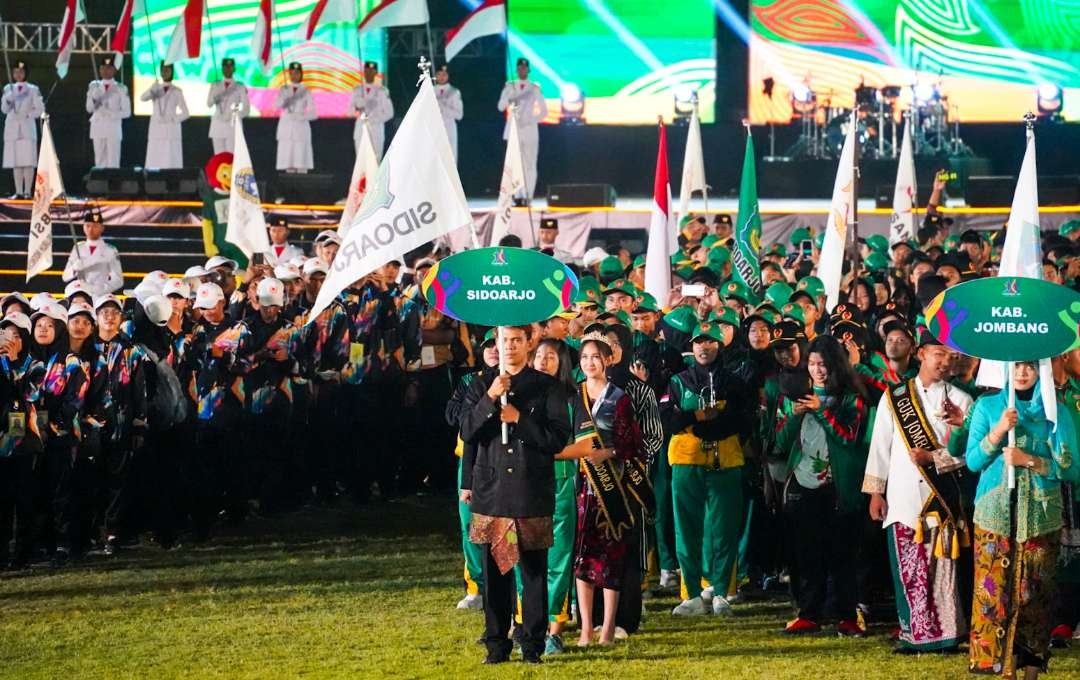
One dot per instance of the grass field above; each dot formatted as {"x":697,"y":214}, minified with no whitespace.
{"x":368,"y":593}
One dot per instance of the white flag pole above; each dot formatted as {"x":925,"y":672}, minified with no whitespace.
{"x":502,"y":370}
{"x":1012,"y":432}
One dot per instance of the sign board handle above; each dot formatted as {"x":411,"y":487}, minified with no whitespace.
{"x":1012,"y":432}
{"x":502,"y":370}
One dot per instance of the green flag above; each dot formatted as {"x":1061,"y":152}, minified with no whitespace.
{"x":744,"y":256}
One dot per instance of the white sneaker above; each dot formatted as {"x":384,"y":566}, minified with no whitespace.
{"x":1076,"y":634}
{"x":721,"y":607}
{"x":669,"y":579}
{"x":620,"y":632}
{"x":707,"y":594}
{"x":471,"y":602}
{"x":695,"y":606}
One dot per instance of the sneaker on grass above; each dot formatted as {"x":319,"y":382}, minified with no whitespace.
{"x":471,"y":602}
{"x":695,"y":606}
{"x":721,"y":607}
{"x":669,"y":578}
{"x":553,"y":644}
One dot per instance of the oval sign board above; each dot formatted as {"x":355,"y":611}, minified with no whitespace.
{"x":1006,"y":318}
{"x":500,"y":286}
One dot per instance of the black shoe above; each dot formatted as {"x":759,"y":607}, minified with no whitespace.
{"x":59,"y":559}
{"x":110,"y":547}
{"x":491,"y":659}
{"x":531,"y":658}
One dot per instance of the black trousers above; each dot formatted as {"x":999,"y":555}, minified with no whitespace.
{"x":56,"y":505}
{"x":270,"y":435}
{"x":500,"y":598}
{"x":17,"y":492}
{"x":825,"y":545}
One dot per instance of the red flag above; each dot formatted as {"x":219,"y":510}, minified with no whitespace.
{"x":487,"y":19}
{"x":186,"y":41}
{"x":73,"y":14}
{"x":123,"y":28}
{"x":395,"y":13}
{"x":326,"y":12}
{"x":657,"y":258}
{"x":261,"y":40}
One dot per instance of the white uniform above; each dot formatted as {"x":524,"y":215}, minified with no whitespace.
{"x":21,"y":105}
{"x":97,"y":265}
{"x":294,"y":127}
{"x":374,"y":100}
{"x":452,"y":109}
{"x":108,"y":103}
{"x":164,"y":142}
{"x":531,"y":109}
{"x":282,"y":254}
{"x":224,"y":94}
{"x":889,"y":466}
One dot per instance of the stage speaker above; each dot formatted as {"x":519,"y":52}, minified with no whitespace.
{"x":112,"y":182}
{"x":309,"y":188}
{"x":172,"y":183}
{"x":997,"y":190}
{"x":884,"y":196}
{"x":581,"y":196}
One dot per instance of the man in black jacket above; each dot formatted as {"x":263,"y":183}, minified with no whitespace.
{"x":511,"y":489}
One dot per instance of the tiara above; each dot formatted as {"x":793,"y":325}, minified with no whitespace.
{"x":597,"y":336}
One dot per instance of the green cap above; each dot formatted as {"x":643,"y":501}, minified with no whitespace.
{"x":739,"y":291}
{"x":1069,"y":227}
{"x":610,"y":267}
{"x":682,"y":318}
{"x":709,"y":329}
{"x":488,"y":337}
{"x":646,"y":303}
{"x":764,"y":312}
{"x":778,"y":293}
{"x":621,"y":316}
{"x":622,"y":286}
{"x":812,"y":285}
{"x":952,"y":243}
{"x":794,"y":312}
{"x":819,"y":241}
{"x":639,"y":261}
{"x":878,"y":243}
{"x":725,"y":315}
{"x":719,"y":256}
{"x":709,"y":241}
{"x":799,"y":235}
{"x":777,"y":249}
{"x":588,"y":291}
{"x":685,"y":272}
{"x":876,"y":262}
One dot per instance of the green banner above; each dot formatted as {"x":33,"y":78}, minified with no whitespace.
{"x":745,"y":265}
{"x":500,"y":286}
{"x":1006,"y":318}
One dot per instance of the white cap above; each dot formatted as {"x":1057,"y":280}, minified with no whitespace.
{"x":77,"y":286}
{"x":147,"y":288}
{"x":328,"y":235}
{"x":195,"y":272}
{"x":17,"y":319}
{"x":54,"y":310}
{"x":270,"y":292}
{"x":158,"y":309}
{"x":40,"y":299}
{"x":80,"y":307}
{"x":157,"y":276}
{"x":286,"y":272}
{"x":208,"y":295}
{"x":103,"y":300}
{"x":593,"y":256}
{"x":221,"y":261}
{"x":176,"y":287}
{"x":14,"y":296}
{"x":314,"y":266}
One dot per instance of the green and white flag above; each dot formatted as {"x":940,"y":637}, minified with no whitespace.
{"x":745,"y":265}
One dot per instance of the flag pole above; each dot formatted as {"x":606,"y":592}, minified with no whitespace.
{"x":853,"y":248}
{"x":280,"y":48}
{"x":210,"y":30}
{"x":704,"y":185}
{"x":430,"y":42}
{"x":7,"y":64}
{"x":149,"y":36}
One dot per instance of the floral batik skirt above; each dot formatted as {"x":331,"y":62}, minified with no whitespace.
{"x":1010,"y":632}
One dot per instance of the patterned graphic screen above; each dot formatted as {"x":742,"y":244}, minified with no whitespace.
{"x":331,"y":59}
{"x":627,"y":58}
{"x":989,"y":58}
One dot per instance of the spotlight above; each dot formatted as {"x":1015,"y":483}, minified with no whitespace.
{"x":1050,"y":101}
{"x":803,"y":99}
{"x":924,"y":93}
{"x":572,"y":105}
{"x":685,"y":103}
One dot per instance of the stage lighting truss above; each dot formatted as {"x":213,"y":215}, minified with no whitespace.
{"x":685,"y":103}
{"x":803,"y":99}
{"x":1050,"y":100}
{"x":572,"y":105}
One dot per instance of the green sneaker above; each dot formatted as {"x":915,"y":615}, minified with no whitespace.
{"x":553,"y":644}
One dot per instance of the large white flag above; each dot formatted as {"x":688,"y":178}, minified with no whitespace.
{"x":415,"y":198}
{"x":73,"y":14}
{"x":693,"y":173}
{"x":246,"y":227}
{"x":842,"y":209}
{"x":902,"y":223}
{"x":513,"y":181}
{"x":48,"y":185}
{"x":363,"y":173}
{"x":1022,"y":256}
{"x":657,"y":262}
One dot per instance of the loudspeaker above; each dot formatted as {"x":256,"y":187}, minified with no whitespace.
{"x":997,"y":190}
{"x":172,"y":183}
{"x":309,"y":188}
{"x":581,"y":195}
{"x":110,"y":182}
{"x":884,"y":196}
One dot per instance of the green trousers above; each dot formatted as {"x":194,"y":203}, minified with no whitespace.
{"x":560,"y":561}
{"x":474,"y":554}
{"x":707,"y":503}
{"x":664,"y":521}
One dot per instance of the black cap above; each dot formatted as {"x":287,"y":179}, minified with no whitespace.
{"x":958,"y":259}
{"x":722,"y":219}
{"x":897,"y":325}
{"x":228,"y":61}
{"x":787,"y":333}
{"x":281,"y":222}
{"x":295,"y":65}
{"x":371,"y":64}
{"x":549,"y":223}
{"x":22,"y":64}
{"x":846,"y":312}
{"x":93,"y":214}
{"x":705,"y":275}
{"x":107,"y":61}
{"x":443,"y":68}
{"x":522,"y":61}
{"x":926,"y":337}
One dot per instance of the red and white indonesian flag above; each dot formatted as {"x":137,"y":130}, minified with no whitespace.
{"x":693,"y":171}
{"x":364,"y":170}
{"x":513,"y":181}
{"x":661,"y":226}
{"x":831,"y":263}
{"x":902,"y":223}
{"x":487,"y":19}
{"x":186,"y":39}
{"x":48,"y":185}
{"x":123,"y":28}
{"x":395,"y":13}
{"x":326,"y":12}
{"x":262,"y":39}
{"x":73,"y":14}
{"x":416,"y":197}
{"x":246,"y":227}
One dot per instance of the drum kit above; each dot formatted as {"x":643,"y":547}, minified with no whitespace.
{"x":878,"y":118}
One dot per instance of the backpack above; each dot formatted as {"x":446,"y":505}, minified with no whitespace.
{"x":167,"y":404}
